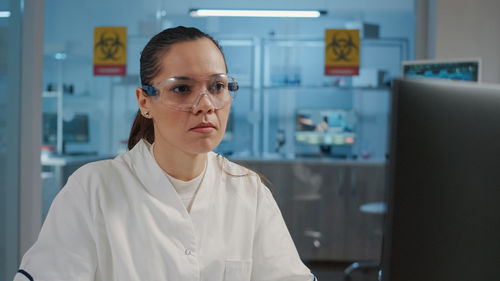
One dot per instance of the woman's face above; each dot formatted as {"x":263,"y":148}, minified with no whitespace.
{"x":202,"y":129}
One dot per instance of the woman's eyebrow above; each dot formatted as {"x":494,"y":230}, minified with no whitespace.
{"x":191,"y":78}
{"x":182,"y":78}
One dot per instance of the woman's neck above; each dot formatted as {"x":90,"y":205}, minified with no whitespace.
{"x":179,"y":164}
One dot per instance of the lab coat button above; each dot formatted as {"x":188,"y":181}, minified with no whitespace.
{"x":187,"y":252}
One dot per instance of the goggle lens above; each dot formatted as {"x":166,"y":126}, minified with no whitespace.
{"x":184,"y":93}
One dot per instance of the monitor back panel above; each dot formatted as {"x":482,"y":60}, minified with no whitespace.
{"x":443,"y":221}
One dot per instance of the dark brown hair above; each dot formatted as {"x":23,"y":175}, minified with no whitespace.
{"x":150,"y":66}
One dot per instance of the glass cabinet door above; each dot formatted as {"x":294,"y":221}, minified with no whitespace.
{"x":308,"y":114}
{"x":241,"y":138}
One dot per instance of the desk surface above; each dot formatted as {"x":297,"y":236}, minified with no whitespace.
{"x":62,"y":160}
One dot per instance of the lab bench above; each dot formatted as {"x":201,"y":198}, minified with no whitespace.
{"x":323,"y":203}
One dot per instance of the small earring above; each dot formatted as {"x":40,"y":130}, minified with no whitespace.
{"x":146,"y":114}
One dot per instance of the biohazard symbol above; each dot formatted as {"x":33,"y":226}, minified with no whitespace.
{"x":342,"y":46}
{"x":109,"y":46}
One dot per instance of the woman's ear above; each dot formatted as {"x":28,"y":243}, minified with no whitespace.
{"x":143,"y":101}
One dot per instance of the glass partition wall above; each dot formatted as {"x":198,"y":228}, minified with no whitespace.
{"x":21,"y":35}
{"x":10,"y":72}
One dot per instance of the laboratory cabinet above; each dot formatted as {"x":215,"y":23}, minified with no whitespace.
{"x":284,"y":87}
{"x":322,"y":202}
{"x":306,"y":113}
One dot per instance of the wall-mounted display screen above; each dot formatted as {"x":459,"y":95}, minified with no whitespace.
{"x":325,"y":127}
{"x":464,"y":69}
{"x":74,"y":130}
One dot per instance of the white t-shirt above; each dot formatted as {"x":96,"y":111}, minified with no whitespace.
{"x":122,"y":220}
{"x":186,"y":190}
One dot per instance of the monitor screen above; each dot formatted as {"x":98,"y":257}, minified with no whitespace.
{"x":443,"y":220}
{"x":74,"y":130}
{"x":466,"y":70}
{"x":325,"y":127}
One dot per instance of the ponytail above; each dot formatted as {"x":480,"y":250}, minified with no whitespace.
{"x":142,"y":128}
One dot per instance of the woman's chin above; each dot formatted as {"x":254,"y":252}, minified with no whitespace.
{"x":205,"y":145}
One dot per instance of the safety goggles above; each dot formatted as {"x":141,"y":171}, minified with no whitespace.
{"x":183,"y":93}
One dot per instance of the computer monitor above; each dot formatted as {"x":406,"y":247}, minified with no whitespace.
{"x":443,"y":220}
{"x":452,"y":69}
{"x":75,"y":130}
{"x":332,"y":127}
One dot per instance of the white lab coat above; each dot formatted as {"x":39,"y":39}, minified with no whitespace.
{"x":122,"y":220}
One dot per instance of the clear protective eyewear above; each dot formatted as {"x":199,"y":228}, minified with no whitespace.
{"x":183,"y":93}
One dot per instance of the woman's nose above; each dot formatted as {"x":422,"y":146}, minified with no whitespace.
{"x":204,"y":104}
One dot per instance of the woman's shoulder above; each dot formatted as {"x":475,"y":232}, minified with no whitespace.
{"x":100,"y":172}
{"x":238,"y":176}
{"x":101,"y":167}
{"x":122,"y":163}
{"x":230,"y":167}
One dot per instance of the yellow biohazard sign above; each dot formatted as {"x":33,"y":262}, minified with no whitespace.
{"x":342,"y":52}
{"x":110,"y":51}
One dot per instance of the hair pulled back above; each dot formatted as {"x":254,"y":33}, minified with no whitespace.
{"x":150,"y":66}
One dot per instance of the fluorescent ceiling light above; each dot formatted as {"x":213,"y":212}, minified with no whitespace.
{"x":4,"y":14}
{"x":255,"y":13}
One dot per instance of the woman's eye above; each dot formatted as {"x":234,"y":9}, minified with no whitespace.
{"x":181,"y":89}
{"x":218,"y":87}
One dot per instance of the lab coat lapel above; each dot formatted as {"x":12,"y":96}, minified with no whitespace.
{"x":158,"y":185}
{"x":153,"y":178}
{"x":202,"y":209}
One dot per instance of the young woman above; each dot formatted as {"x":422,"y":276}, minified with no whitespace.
{"x":169,"y":209}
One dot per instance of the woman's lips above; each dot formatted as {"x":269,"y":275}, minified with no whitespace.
{"x":203,"y":128}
